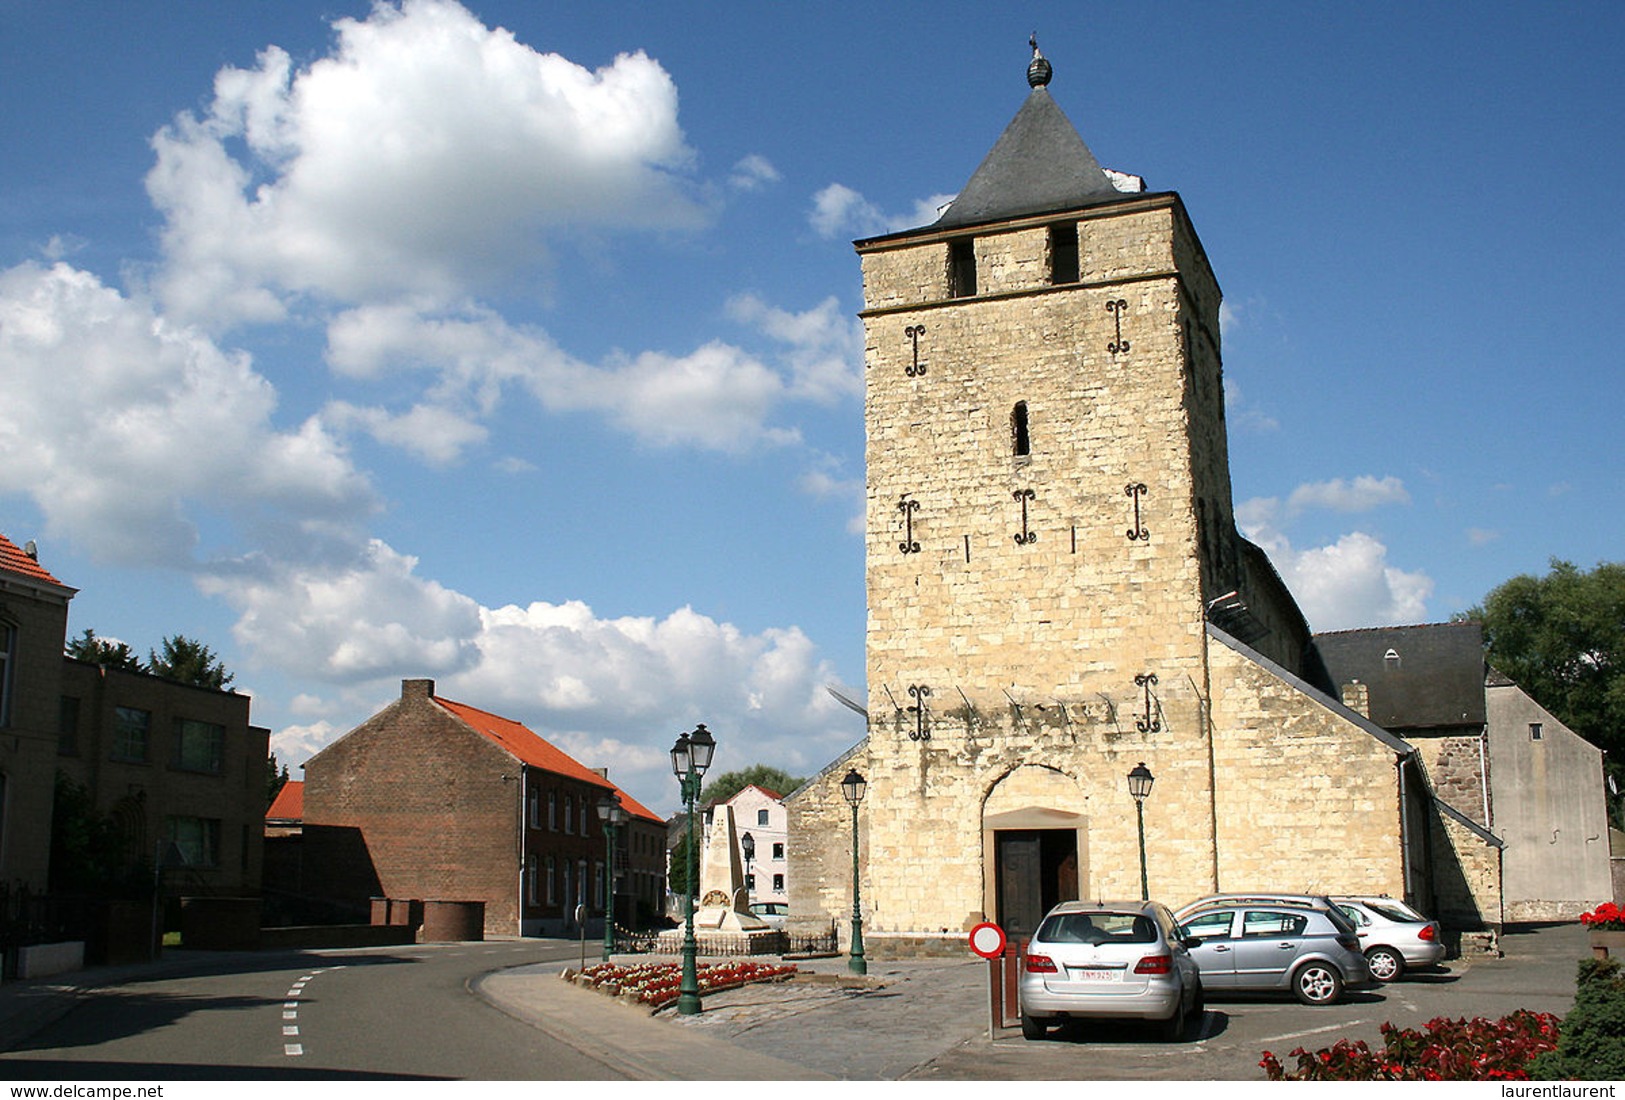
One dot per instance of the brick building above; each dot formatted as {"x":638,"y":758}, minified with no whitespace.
{"x":33,"y":624}
{"x":1057,"y":592}
{"x":169,"y":762}
{"x":435,"y":800}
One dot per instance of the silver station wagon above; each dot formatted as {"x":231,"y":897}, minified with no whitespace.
{"x":1109,"y":960}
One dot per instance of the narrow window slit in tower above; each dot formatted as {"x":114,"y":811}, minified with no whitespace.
{"x":1021,"y":441}
{"x":967,"y":548}
{"x":962,"y":268}
{"x":1063,"y":253}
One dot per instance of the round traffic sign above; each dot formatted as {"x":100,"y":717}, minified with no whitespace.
{"x":987,"y":940}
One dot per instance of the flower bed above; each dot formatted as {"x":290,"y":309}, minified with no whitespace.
{"x":1606,"y":917}
{"x":1448,"y":1050}
{"x":656,"y":984}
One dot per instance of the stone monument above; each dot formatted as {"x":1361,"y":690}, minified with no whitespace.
{"x":723,"y":922}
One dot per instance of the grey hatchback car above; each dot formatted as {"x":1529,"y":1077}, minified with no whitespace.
{"x":1300,"y":943}
{"x":1109,"y":960}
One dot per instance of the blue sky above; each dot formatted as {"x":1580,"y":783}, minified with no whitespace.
{"x":514,"y":345}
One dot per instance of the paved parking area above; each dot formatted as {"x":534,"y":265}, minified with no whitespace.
{"x":928,"y":1021}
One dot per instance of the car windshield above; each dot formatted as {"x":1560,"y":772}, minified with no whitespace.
{"x":1339,"y":919}
{"x":1098,"y":928}
{"x":1392,"y":912}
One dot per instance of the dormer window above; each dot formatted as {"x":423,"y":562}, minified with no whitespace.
{"x":1390,"y":660}
{"x":962,"y":268}
{"x":1063,"y":253}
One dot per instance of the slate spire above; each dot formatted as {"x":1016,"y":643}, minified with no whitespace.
{"x":1039,"y":164}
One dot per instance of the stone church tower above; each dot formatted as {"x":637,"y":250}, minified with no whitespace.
{"x":1056,"y":588}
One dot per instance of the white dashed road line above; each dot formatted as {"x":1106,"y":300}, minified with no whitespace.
{"x":290,"y":1011}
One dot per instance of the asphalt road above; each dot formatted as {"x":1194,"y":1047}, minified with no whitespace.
{"x":403,"y":1012}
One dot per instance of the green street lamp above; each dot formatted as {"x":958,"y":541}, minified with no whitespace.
{"x":690,"y":756}
{"x":852,"y":788}
{"x":613,"y":815}
{"x":1139,"y":786}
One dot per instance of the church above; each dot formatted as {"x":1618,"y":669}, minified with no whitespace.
{"x":1058,"y":595}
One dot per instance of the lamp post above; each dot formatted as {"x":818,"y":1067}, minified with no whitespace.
{"x":1139,"y":785}
{"x":747,"y":844}
{"x":852,"y":787}
{"x":613,"y":815}
{"x":690,"y":756}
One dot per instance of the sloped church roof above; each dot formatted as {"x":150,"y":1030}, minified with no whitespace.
{"x":1039,"y":164}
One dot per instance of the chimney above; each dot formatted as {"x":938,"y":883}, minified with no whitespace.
{"x":1357,"y":697}
{"x":417,"y":689}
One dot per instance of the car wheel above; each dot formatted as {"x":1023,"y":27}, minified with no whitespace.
{"x":1317,"y":983}
{"x":1032,"y":1027}
{"x":1172,"y":1030}
{"x":1386,"y":964}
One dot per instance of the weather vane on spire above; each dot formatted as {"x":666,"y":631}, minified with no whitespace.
{"x":1038,"y":73}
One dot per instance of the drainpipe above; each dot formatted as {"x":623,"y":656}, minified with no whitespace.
{"x":1404,"y":828}
{"x":1484,"y":776}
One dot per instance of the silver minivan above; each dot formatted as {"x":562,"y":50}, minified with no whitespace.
{"x":1109,"y":960}
{"x":1266,"y":942}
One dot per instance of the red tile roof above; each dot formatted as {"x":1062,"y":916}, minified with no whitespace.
{"x":531,"y":749}
{"x":289,"y":803}
{"x":13,"y":560}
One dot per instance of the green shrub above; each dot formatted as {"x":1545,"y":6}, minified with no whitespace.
{"x":1592,"y":1045}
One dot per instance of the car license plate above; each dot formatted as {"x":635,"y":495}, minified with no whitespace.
{"x":1092,"y":974}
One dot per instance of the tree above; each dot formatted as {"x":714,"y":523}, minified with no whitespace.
{"x":1561,"y":638}
{"x":100,"y":651}
{"x":189,"y":662}
{"x":728,"y":784}
{"x":87,"y":849}
{"x":677,"y":878}
{"x":274,"y":780}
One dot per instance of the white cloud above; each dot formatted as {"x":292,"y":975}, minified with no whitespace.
{"x":608,"y":691}
{"x":824,"y":345}
{"x":1348,"y":583}
{"x":1360,"y":495}
{"x":753,"y":172}
{"x":427,"y":153}
{"x":435,"y":434}
{"x":1480,"y":536}
{"x":840,"y":211}
{"x":163,"y":427}
{"x":348,"y":621}
{"x":1243,"y":414}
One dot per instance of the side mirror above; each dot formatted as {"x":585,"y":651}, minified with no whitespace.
{"x":1191,"y":941}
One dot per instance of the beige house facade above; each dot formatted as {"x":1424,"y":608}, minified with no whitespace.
{"x":1057,"y":592}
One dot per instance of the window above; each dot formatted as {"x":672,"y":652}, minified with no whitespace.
{"x":199,"y":746}
{"x":1211,"y":926}
{"x":533,"y":808}
{"x":1063,"y":253}
{"x":532,"y":887}
{"x":1535,"y":731}
{"x":1020,"y":441}
{"x":67,"y":726}
{"x":761,"y":817}
{"x":8,"y":651}
{"x":778,"y":851}
{"x":778,"y":884}
{"x":552,"y":882}
{"x":1264,"y":924}
{"x":553,"y":813}
{"x":569,"y":812}
{"x":962,"y":268}
{"x":130,"y":730}
{"x":198,"y":838}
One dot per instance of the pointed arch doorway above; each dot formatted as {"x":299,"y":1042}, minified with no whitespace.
{"x":1034,"y":848}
